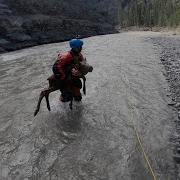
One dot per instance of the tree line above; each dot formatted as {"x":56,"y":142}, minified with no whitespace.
{"x":149,"y":13}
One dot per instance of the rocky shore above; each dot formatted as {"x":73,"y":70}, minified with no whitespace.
{"x":170,"y":58}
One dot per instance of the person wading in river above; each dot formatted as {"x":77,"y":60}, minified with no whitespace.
{"x":65,"y":70}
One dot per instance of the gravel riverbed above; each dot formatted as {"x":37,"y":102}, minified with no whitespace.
{"x":169,"y":46}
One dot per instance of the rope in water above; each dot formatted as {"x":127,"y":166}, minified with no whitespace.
{"x":138,"y":136}
{"x":144,"y":152}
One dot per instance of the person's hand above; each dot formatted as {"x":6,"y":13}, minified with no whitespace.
{"x":75,"y":72}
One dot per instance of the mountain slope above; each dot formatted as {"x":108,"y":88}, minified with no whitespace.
{"x":27,"y":23}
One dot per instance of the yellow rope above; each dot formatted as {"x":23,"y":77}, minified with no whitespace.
{"x":139,"y":139}
{"x":144,"y":154}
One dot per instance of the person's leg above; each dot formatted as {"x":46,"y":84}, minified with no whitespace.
{"x":66,"y":92}
{"x":77,"y":85}
{"x":71,"y":90}
{"x":76,"y":93}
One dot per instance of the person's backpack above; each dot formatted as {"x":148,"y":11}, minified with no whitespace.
{"x":67,"y":70}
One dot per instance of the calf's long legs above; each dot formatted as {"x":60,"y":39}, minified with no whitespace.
{"x":45,"y":93}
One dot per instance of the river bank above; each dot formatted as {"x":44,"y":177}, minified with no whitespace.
{"x":169,"y":46}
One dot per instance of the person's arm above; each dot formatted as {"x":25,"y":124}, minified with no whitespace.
{"x":75,"y":72}
{"x":63,"y":60}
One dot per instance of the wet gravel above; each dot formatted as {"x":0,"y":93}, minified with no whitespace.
{"x":169,"y":46}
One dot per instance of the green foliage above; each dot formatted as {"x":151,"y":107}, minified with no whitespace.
{"x":150,"y":13}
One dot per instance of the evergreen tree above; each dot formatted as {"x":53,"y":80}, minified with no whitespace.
{"x":149,"y":13}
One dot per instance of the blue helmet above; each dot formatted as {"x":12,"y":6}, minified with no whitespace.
{"x":75,"y":43}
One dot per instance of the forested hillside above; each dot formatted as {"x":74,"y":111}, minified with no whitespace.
{"x":33,"y":22}
{"x":149,"y":13}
